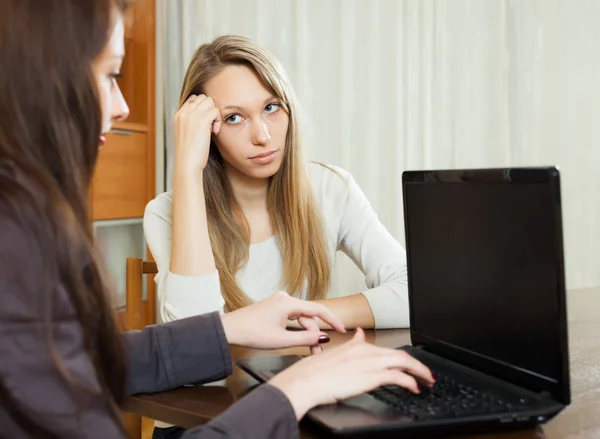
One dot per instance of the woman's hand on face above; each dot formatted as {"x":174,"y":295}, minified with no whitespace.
{"x":262,"y":325}
{"x":350,"y":369}
{"x":193,"y":125}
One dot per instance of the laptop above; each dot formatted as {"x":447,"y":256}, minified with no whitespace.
{"x":487,"y":309}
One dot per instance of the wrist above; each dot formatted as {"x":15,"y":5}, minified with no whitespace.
{"x":188,"y":178}
{"x":230,"y":328}
{"x":297,"y":394}
{"x":187,"y":168}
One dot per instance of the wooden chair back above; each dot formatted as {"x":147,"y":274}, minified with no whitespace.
{"x":137,"y":314}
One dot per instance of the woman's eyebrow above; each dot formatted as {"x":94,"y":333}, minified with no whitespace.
{"x":236,"y":107}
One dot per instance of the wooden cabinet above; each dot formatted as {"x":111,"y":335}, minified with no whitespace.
{"x":122,"y":176}
{"x":124,"y":180}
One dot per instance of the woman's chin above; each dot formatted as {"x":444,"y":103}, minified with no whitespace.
{"x":253,"y":171}
{"x":265,"y":171}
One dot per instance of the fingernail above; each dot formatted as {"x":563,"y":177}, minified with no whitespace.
{"x":324,"y":338}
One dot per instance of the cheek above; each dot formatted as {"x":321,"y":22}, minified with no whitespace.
{"x":279,"y":128}
{"x":104,"y":94}
{"x":229,"y":142}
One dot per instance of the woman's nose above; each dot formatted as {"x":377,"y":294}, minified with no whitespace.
{"x":261,"y":137}
{"x":120,"y":110}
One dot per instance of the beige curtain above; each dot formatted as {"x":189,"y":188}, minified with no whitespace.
{"x":389,"y":85}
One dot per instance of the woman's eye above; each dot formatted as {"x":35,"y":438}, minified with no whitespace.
{"x":114,"y":76}
{"x":233,"y":119}
{"x":272,"y":108}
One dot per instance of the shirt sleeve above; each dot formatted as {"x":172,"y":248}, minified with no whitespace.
{"x":365,"y":240}
{"x":178,"y":296}
{"x":265,"y":413}
{"x":162,"y":357}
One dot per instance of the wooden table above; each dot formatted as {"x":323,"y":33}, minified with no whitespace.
{"x":191,"y":406}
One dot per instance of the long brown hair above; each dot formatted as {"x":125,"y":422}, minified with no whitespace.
{"x":50,"y":121}
{"x":293,"y":212}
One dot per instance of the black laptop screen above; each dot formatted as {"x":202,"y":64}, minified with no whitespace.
{"x":483,"y":270}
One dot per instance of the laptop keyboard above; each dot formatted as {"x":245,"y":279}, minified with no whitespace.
{"x":447,"y":398}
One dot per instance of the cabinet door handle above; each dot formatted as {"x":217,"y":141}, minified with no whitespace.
{"x":121,"y":132}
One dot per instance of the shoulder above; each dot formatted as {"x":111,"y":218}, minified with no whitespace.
{"x":161,"y":206}
{"x":330,"y":179}
{"x":334,"y":185}
{"x":334,"y":190}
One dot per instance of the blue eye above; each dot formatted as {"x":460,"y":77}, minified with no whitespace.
{"x":272,"y":108}
{"x":233,"y":119}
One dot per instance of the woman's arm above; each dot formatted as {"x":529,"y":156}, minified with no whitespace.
{"x":354,"y":311}
{"x":193,"y":125}
{"x":191,"y":254}
{"x":187,"y":351}
{"x":179,"y":296}
{"x":177,"y":233}
{"x":363,"y":238}
{"x":265,"y":403}
{"x":176,"y":226}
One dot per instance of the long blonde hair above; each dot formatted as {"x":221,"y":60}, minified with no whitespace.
{"x":294,"y":214}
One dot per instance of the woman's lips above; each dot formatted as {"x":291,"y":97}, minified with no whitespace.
{"x":265,"y":158}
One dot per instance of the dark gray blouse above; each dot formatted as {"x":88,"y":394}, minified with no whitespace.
{"x":160,"y":357}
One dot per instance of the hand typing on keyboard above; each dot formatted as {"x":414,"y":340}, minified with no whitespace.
{"x":347,"y":370}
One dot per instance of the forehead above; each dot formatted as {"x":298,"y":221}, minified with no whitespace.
{"x":115,"y":45}
{"x":237,"y":85}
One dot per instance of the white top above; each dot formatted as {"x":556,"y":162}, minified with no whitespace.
{"x":351,"y":226}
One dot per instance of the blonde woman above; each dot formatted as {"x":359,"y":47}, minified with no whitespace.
{"x":248,"y":216}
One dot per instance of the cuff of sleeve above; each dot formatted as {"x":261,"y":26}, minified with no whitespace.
{"x":197,"y":350}
{"x":267,"y":405}
{"x":187,"y":296}
{"x":390,"y":308}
